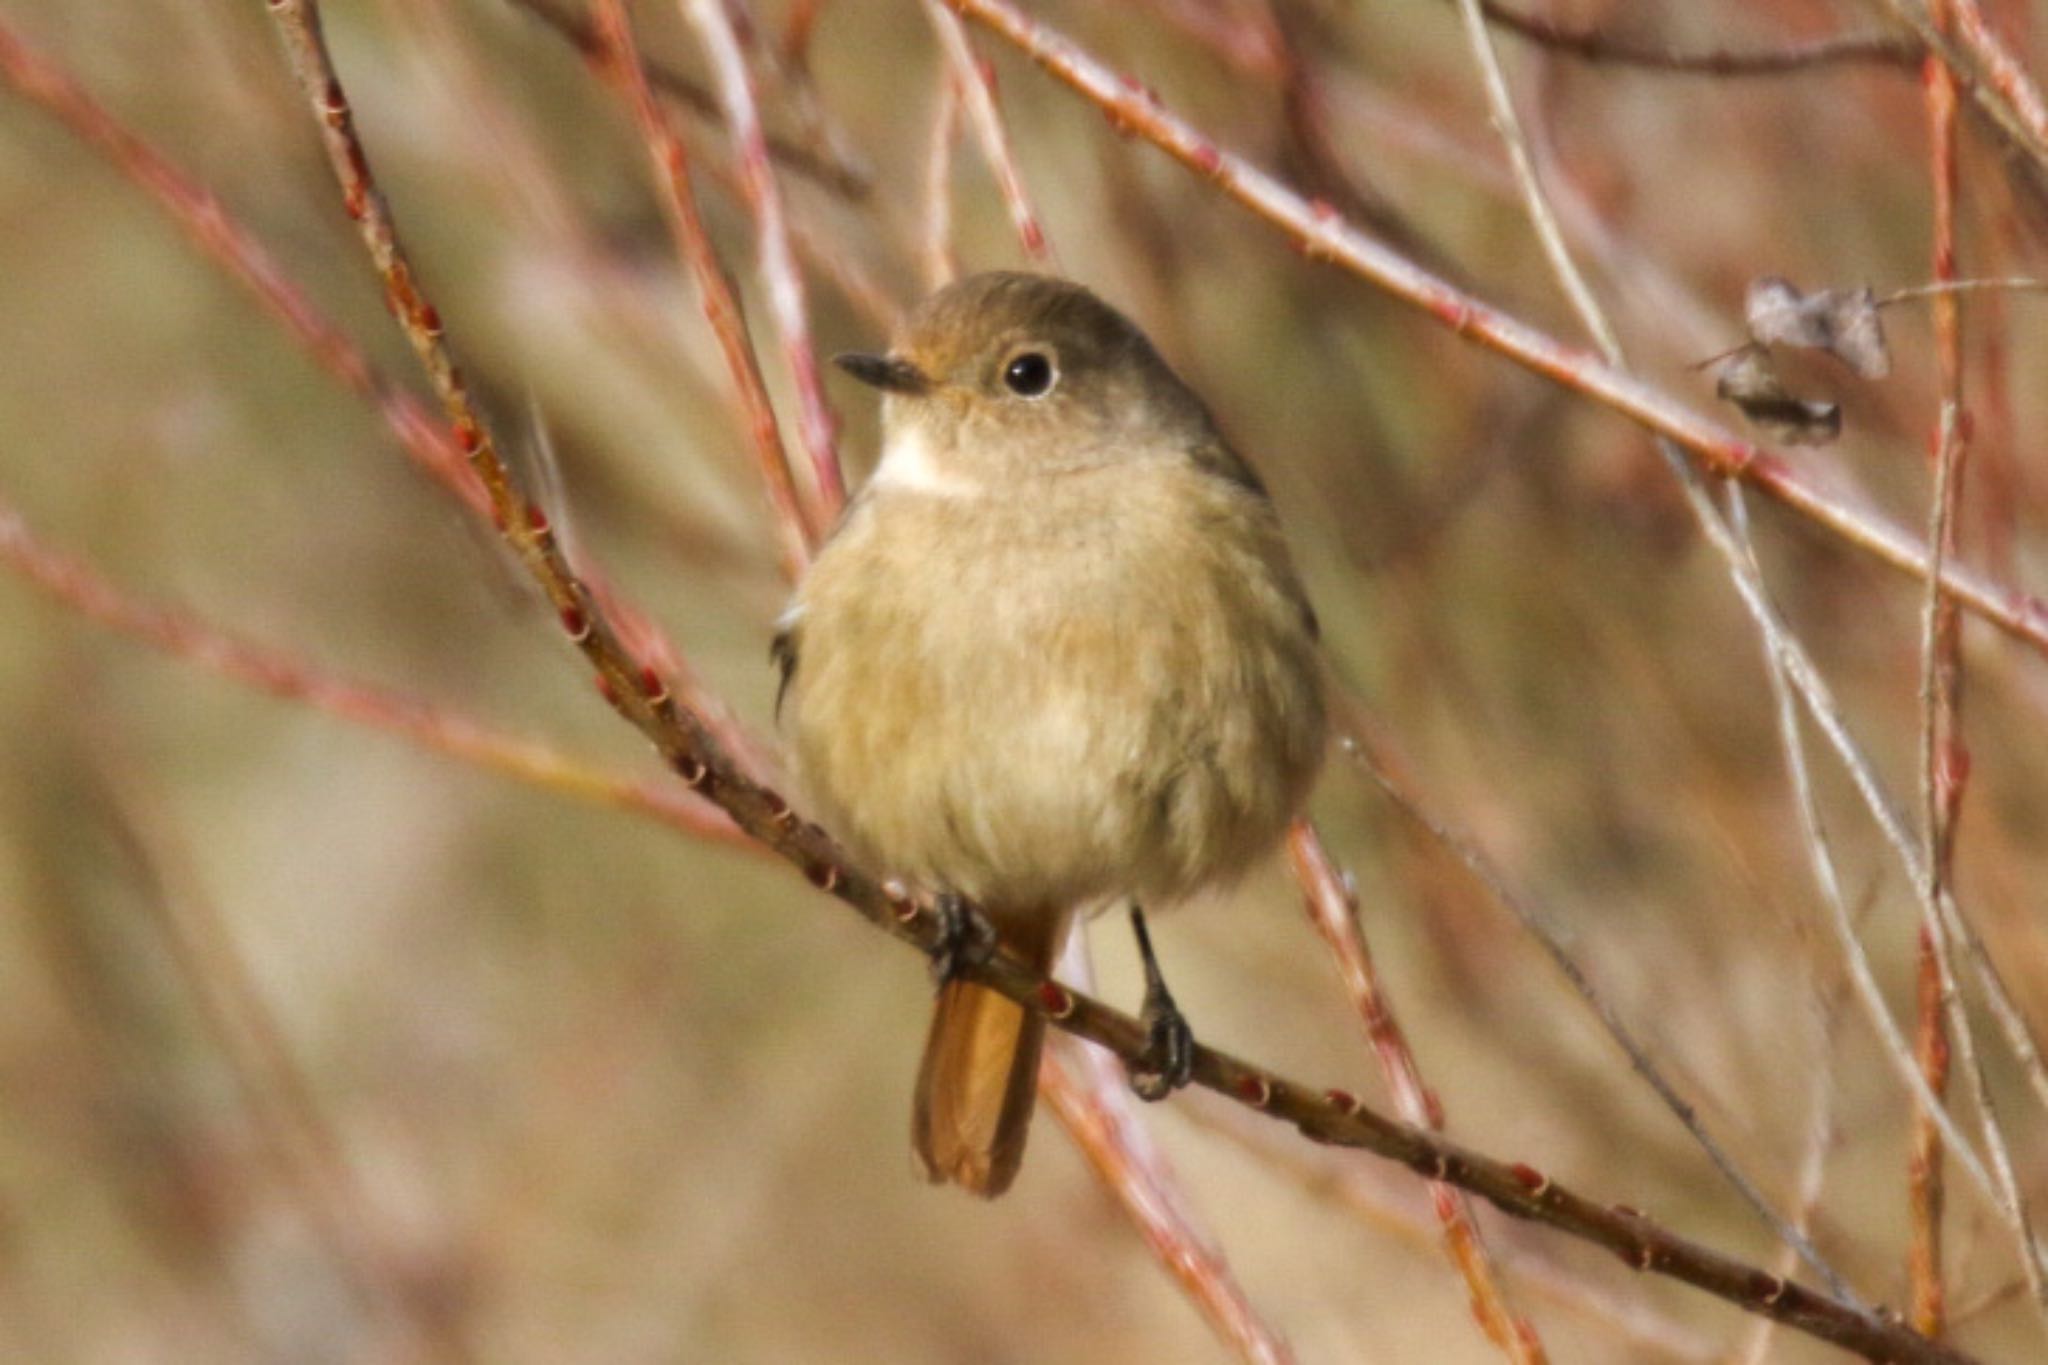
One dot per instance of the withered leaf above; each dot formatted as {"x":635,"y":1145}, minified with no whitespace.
{"x":1749,"y":381}
{"x":1844,"y":323}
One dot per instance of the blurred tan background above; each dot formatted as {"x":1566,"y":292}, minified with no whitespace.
{"x":603,"y":1091}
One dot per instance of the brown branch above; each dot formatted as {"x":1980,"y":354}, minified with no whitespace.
{"x":820,"y":165}
{"x":1378,"y":1199}
{"x":1597,"y":45}
{"x":686,"y":745}
{"x":1322,"y":234}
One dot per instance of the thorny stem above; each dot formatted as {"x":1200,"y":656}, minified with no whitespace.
{"x":686,"y":745}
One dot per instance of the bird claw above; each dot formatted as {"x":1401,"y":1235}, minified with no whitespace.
{"x":1168,"y":1060}
{"x":966,"y":938}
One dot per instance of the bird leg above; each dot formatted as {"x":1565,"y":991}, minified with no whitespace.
{"x":966,"y":938}
{"x":1168,"y":1061}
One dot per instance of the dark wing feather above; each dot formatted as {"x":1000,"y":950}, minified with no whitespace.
{"x":782,"y":653}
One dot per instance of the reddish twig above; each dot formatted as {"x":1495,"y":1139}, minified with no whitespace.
{"x":1849,"y":50}
{"x":687,"y":746}
{"x":820,"y":164}
{"x":1730,"y":540}
{"x":975,"y":82}
{"x":1925,"y":1189}
{"x":1092,"y":1102}
{"x":184,"y":636}
{"x":1332,"y":906}
{"x":620,"y":61}
{"x":1322,"y":234}
{"x":218,"y":235}
{"x":780,"y":279}
{"x":937,"y":229}
{"x":1941,"y":775}
{"x":2007,"y":76}
{"x":204,"y":219}
{"x":2003,"y":95}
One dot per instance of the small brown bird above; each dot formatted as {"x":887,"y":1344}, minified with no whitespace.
{"x":1056,"y":653}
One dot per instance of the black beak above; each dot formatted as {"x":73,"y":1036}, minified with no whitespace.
{"x":885,"y":372}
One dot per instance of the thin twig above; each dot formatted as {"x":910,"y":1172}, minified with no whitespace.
{"x":1380,"y":1200}
{"x":1862,"y":976}
{"x":1940,"y":709}
{"x":821,"y":164}
{"x":2006,"y":97}
{"x":1538,"y":923}
{"x":976,"y":86}
{"x":1937,"y":288}
{"x":184,"y":636}
{"x":1543,"y":219}
{"x":781,"y":281}
{"x":1322,"y":234}
{"x":1332,"y":906}
{"x":621,"y":62}
{"x":686,"y":745}
{"x":1090,"y":1095}
{"x":940,"y":267}
{"x":222,"y":238}
{"x":1847,"y":50}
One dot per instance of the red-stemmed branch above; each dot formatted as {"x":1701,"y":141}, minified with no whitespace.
{"x":819,"y":163}
{"x":780,"y":279}
{"x":975,"y":83}
{"x":182,"y":635}
{"x":1940,"y":739}
{"x":618,"y":57}
{"x":1332,"y":907}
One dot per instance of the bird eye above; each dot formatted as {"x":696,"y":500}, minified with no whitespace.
{"x":1029,"y":374}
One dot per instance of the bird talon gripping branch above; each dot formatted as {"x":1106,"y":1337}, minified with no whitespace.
{"x":1168,"y":1062}
{"x":966,"y":938}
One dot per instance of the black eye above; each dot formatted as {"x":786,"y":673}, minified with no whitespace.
{"x":1029,"y":375}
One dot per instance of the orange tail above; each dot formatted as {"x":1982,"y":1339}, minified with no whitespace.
{"x":976,"y":1088}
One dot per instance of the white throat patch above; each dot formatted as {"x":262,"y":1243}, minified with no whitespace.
{"x":907,"y":465}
